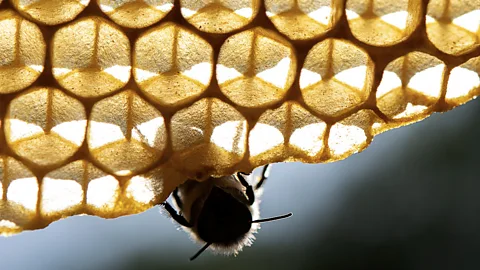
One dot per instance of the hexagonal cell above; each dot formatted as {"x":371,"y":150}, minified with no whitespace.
{"x":303,"y":20}
{"x":18,"y":196}
{"x":102,"y":190}
{"x":209,"y":136}
{"x":136,"y":13}
{"x":22,"y":50}
{"x":410,"y":85}
{"x":336,"y":77}
{"x":91,"y":57}
{"x":169,"y":71}
{"x":126,"y":134}
{"x":148,"y":189}
{"x":383,"y":22}
{"x":464,"y":82}
{"x":63,"y":191}
{"x":307,"y":138}
{"x":256,"y":68}
{"x":50,"y":12}
{"x":453,"y":26}
{"x":219,"y":17}
{"x":352,"y":134}
{"x":288,"y":132}
{"x":45,"y":126}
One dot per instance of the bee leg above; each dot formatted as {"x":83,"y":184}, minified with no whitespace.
{"x":177,"y":199}
{"x":250,"y":194}
{"x":177,"y":217}
{"x":265,"y":173}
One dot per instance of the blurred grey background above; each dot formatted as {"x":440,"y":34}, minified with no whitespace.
{"x":409,"y":201}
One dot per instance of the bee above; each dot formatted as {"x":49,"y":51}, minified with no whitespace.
{"x":221,"y":212}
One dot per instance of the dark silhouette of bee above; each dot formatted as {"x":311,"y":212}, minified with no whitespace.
{"x":220,"y":212}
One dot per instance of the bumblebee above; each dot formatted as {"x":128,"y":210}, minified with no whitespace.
{"x":221,"y":212}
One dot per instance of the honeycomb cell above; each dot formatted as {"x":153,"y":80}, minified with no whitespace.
{"x":304,"y":20}
{"x":285,"y":133}
{"x":353,"y":134}
{"x":143,"y":191}
{"x":463,"y":82}
{"x":453,"y":26}
{"x":91,"y":57}
{"x":209,"y":136}
{"x":307,"y":138}
{"x":50,"y":12}
{"x":410,"y":85}
{"x":219,"y":16}
{"x":22,"y":52}
{"x":383,"y":22}
{"x":336,"y":77}
{"x":18,"y":196}
{"x":62,"y":191}
{"x":256,"y":68}
{"x":103,"y":190}
{"x":126,"y":134}
{"x":169,"y":71}
{"x":136,"y":13}
{"x":45,"y":126}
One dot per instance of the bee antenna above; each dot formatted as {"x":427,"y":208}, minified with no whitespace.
{"x":272,"y":218}
{"x":200,"y":251}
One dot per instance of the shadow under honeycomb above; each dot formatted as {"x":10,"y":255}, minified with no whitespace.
{"x":106,"y":106}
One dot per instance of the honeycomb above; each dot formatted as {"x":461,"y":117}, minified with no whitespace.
{"x":107,"y":105}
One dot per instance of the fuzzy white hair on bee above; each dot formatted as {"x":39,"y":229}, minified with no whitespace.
{"x":223,"y":213}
